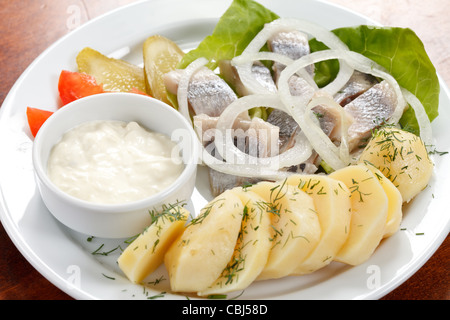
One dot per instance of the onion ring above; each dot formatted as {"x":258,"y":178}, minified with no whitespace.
{"x":299,"y":153}
{"x":183,"y":86}
{"x":283,"y":24}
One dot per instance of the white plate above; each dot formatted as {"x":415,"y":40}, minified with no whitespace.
{"x":65,"y":258}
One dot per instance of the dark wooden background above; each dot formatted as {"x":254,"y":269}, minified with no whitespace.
{"x":28,"y":27}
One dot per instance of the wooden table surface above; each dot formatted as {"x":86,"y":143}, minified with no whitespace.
{"x":28,"y":27}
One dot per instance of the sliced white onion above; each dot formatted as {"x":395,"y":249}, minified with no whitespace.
{"x":242,"y":170}
{"x":242,"y":63}
{"x":286,"y":24}
{"x":366,"y":65}
{"x":183,"y":86}
{"x":331,"y":41}
{"x":356,"y":61}
{"x":333,"y":155}
{"x":421,"y":116}
{"x":299,"y":153}
{"x":319,"y":140}
{"x":298,"y":108}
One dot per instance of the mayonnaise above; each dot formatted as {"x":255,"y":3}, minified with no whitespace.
{"x":113,"y":162}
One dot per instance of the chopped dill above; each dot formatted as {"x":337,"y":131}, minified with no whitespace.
{"x":204,"y":213}
{"x":217,"y":296}
{"x":355,"y":188}
{"x":157,"y":296}
{"x":439,"y":153}
{"x":157,"y":281}
{"x":105,"y":253}
{"x":172,"y":212}
{"x":108,"y":277}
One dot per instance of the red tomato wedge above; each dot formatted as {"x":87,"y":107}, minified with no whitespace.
{"x":71,"y":86}
{"x":36,"y":118}
{"x":76,"y":85}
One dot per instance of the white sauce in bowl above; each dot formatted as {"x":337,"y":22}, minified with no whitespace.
{"x":114,"y":162}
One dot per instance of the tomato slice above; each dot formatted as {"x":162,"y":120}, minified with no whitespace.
{"x":71,"y":86}
{"x":76,"y":85}
{"x":36,"y":118}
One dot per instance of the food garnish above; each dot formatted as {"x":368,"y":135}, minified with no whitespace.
{"x":115,"y":75}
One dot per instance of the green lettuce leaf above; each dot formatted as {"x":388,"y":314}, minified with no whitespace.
{"x":234,"y":31}
{"x":402,"y":53}
{"x":399,"y":50}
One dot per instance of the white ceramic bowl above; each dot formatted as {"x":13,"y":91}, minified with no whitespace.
{"x":121,"y":220}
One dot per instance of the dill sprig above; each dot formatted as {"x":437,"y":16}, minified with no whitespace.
{"x":157,"y":296}
{"x":237,"y":264}
{"x":157,"y":281}
{"x":205,"y":212}
{"x":439,"y":153}
{"x":277,"y":193}
{"x":105,"y":253}
{"x":355,"y":188}
{"x":172,"y":212}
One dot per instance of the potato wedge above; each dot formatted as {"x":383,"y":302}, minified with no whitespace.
{"x":198,"y":257}
{"x":402,"y":157}
{"x":296,"y":228}
{"x":252,"y":248}
{"x":369,"y":213}
{"x":395,"y":203}
{"x":332,"y":202}
{"x":146,"y":253}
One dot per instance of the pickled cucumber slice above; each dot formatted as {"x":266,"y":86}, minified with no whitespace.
{"x":161,"y":55}
{"x":116,"y":75}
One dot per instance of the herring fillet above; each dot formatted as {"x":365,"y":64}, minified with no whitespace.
{"x":207,"y":92}
{"x":370,"y":110}
{"x":260,"y":72}
{"x":292,"y":44}
{"x":357,"y":84}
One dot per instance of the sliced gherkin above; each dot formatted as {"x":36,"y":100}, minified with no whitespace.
{"x":114,"y":74}
{"x":161,"y":56}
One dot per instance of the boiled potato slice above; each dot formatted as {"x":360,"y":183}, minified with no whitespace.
{"x":252,"y":248}
{"x":115,"y":74}
{"x":332,"y":202}
{"x":198,"y":257}
{"x":161,"y":55}
{"x":369,"y":213}
{"x":395,"y":203}
{"x":146,"y":253}
{"x":402,"y":157}
{"x":296,"y":228}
